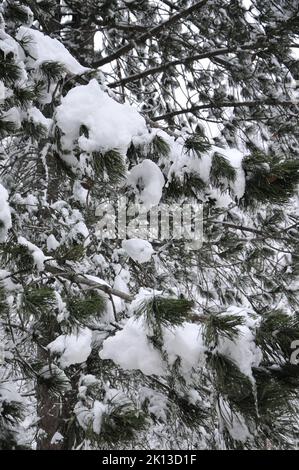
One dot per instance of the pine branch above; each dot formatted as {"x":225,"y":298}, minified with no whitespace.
{"x":182,"y":61}
{"x":225,"y":104}
{"x":149,"y":34}
{"x":81,"y":279}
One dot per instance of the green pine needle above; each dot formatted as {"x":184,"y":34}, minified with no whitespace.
{"x":197,"y":144}
{"x":221,"y":169}
{"x":269,"y":178}
{"x":122,"y":423}
{"x":75,"y":252}
{"x":159,"y":148}
{"x":165,"y":311}
{"x":6,"y":127}
{"x":91,"y":306}
{"x":275,"y":335}
{"x":38,"y":300}
{"x":111,"y":165}
{"x":191,"y":185}
{"x":52,"y":70}
{"x":217,"y":326}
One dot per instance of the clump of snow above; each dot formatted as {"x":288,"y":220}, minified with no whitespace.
{"x":80,"y":231}
{"x":234,"y":422}
{"x":9,"y":393}
{"x":73,"y":349}
{"x":242,"y":350}
{"x":8,"y":44}
{"x":6,"y":281}
{"x":37,"y":117}
{"x":185,"y":342}
{"x":83,"y":414}
{"x":110,"y":125}
{"x":38,"y":256}
{"x":49,"y":371}
{"x":156,"y":402}
{"x":147,"y":181}
{"x":42,"y":48}
{"x":131,"y":349}
{"x":235,"y":158}
{"x":80,"y":194}
{"x":52,"y":243}
{"x":5,"y":217}
{"x":57,"y":437}
{"x":139,"y":250}
{"x":13,"y":115}
{"x":189,"y":163}
{"x":99,"y":410}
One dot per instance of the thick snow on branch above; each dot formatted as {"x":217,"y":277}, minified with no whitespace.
{"x":148,"y":181}
{"x":110,"y":125}
{"x":42,"y":48}
{"x":73,"y":349}
{"x":139,"y":250}
{"x":5,"y":218}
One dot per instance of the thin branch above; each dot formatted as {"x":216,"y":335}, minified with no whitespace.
{"x":183,"y":61}
{"x":151,"y":33}
{"x":225,"y":104}
{"x":81,"y":279}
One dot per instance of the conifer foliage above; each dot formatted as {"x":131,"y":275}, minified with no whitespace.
{"x":120,"y":342}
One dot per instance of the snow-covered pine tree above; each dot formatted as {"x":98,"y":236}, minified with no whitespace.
{"x":108,"y":343}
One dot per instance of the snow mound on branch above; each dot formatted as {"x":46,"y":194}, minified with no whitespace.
{"x":36,"y":116}
{"x":9,"y":393}
{"x":5,"y":218}
{"x":110,"y":125}
{"x":243,"y":350}
{"x":139,"y":250}
{"x":57,"y":437}
{"x":74,"y":349}
{"x":44,"y":49}
{"x":183,"y":164}
{"x":37,"y":254}
{"x":148,"y":181}
{"x":8,"y":44}
{"x":131,"y":349}
{"x":185,"y":342}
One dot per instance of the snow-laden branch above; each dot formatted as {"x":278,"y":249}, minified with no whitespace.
{"x":82,"y":279}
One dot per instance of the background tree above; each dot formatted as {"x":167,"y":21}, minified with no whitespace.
{"x":186,"y":348}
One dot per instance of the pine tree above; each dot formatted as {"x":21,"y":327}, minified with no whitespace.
{"x":113,"y":345}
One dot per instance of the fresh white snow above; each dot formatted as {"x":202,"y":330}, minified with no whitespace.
{"x":137,"y":249}
{"x":5,"y":216}
{"x":147,"y":180}
{"x":73,"y":349}
{"x":110,"y":125}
